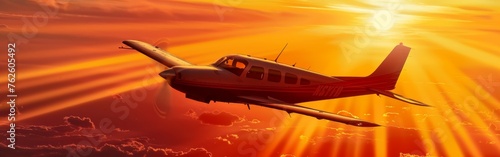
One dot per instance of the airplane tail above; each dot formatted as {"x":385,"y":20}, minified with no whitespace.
{"x":387,"y":73}
{"x":384,"y":78}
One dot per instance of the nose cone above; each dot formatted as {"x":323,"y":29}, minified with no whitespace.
{"x":168,"y":74}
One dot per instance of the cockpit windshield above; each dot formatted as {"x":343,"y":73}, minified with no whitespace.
{"x":233,"y":65}
{"x":219,"y":61}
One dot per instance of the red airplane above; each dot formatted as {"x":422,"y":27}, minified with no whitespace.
{"x":249,"y":80}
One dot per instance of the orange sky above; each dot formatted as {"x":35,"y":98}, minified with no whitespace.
{"x":72,"y":60}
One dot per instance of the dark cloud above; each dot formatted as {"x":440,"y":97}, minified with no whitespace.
{"x":72,"y":125}
{"x":41,"y":131}
{"x":79,"y":137}
{"x":83,"y":122}
{"x":219,"y":118}
{"x":132,"y":149}
{"x":74,"y":129}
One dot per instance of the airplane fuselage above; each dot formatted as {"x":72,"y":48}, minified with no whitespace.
{"x":259,"y":78}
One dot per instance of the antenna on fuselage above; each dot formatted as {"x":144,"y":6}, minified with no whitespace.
{"x":276,"y":60}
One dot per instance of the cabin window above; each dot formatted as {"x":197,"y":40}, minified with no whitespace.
{"x":274,"y":75}
{"x":304,"y":81}
{"x":290,"y":78}
{"x":236,"y":66}
{"x":256,"y":73}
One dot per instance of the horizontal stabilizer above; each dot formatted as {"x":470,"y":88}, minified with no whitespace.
{"x":398,"y":97}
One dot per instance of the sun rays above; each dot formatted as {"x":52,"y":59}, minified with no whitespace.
{"x":454,"y":46}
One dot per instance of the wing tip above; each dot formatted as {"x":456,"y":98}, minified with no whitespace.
{"x":371,"y":125}
{"x":130,"y":41}
{"x":418,"y":103}
{"x":424,"y":105}
{"x":364,"y":124}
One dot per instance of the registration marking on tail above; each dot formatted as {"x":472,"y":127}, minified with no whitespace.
{"x":328,"y":91}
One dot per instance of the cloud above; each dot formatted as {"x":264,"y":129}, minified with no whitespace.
{"x":73,"y":129}
{"x":219,"y":118}
{"x":192,"y":114}
{"x":84,"y":122}
{"x":215,"y":118}
{"x":72,"y":125}
{"x":41,"y":131}
{"x":258,"y":130}
{"x":254,"y":121}
{"x":193,"y":152}
{"x":227,"y":139}
{"x":134,"y":149}
{"x":78,"y":136}
{"x":346,"y":113}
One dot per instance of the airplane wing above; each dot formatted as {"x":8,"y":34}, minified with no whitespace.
{"x":319,"y":114}
{"x":398,"y":97}
{"x":155,"y":53}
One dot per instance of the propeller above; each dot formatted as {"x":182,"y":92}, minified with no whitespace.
{"x":162,"y":104}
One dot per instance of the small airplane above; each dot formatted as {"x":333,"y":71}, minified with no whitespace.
{"x":250,"y":80}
